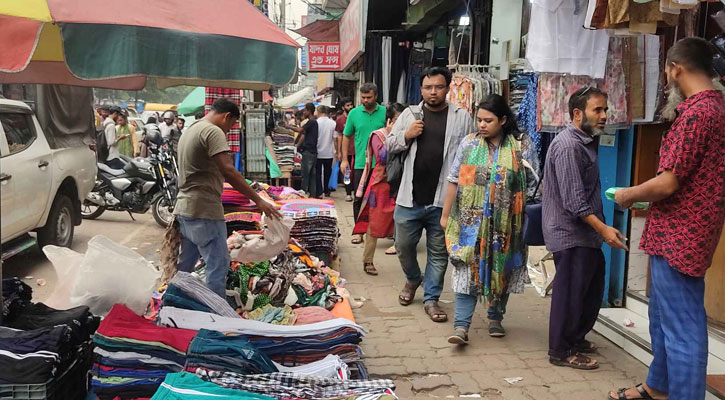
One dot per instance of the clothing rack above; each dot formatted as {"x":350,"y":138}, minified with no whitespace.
{"x":474,"y":67}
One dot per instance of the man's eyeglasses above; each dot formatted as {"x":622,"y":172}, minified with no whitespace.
{"x":428,"y":88}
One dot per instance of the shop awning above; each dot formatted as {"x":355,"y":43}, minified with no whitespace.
{"x":194,"y":102}
{"x":321,"y":31}
{"x":299,"y":97}
{"x":224,"y":43}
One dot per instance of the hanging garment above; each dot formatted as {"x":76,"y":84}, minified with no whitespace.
{"x":234,"y":136}
{"x":387,"y":61}
{"x":559,"y":43}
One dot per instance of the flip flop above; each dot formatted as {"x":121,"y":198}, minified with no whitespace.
{"x":642,"y":392}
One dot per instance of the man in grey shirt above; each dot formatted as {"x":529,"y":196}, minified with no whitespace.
{"x":574,"y":228}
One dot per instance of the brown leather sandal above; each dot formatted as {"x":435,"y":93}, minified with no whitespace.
{"x":406,"y":296}
{"x":435,"y":312}
{"x":642,"y":393}
{"x":577,"y":361}
{"x":369,"y":268}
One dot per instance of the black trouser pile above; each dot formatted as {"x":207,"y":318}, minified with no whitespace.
{"x":39,"y":343}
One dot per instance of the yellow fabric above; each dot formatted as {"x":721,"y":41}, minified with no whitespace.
{"x":31,"y":9}
{"x":50,"y":45}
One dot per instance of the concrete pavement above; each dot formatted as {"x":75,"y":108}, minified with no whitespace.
{"x":405,"y":345}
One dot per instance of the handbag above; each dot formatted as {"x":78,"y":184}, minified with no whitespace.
{"x":394,"y":170}
{"x":533,"y":229}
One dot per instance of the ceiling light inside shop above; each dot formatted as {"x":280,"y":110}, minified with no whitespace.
{"x":464,"y":20}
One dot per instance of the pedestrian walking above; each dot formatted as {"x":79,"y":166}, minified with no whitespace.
{"x":205,"y":164}
{"x":340,"y":122}
{"x":113,"y":158}
{"x":683,"y":227}
{"x":307,"y":145}
{"x":483,"y":217}
{"x":325,"y":150}
{"x":376,"y":215}
{"x":127,"y":141}
{"x":430,"y":139}
{"x":361,"y":122}
{"x":573,"y":225}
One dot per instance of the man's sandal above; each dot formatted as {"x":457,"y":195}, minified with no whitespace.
{"x":435,"y":312}
{"x":586,"y":347}
{"x":369,"y":268}
{"x":640,"y":388}
{"x":406,"y":296}
{"x":577,"y":361}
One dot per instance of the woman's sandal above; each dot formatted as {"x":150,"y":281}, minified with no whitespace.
{"x":369,"y":268}
{"x":435,"y":312}
{"x":642,"y":392}
{"x":579,"y":361}
{"x":406,"y":296}
{"x":460,"y":336}
{"x":391,"y":251}
{"x":357,"y":239}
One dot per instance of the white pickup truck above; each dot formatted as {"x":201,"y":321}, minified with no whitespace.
{"x":41,"y":188}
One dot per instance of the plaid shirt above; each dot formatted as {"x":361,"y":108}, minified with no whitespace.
{"x":286,"y":385}
{"x":571,"y":190}
{"x":234,"y":136}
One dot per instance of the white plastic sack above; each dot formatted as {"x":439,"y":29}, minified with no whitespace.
{"x":110,"y":274}
{"x":66,"y":263}
{"x":274,"y":241}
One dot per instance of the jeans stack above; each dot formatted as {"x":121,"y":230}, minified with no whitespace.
{"x":133,"y":356}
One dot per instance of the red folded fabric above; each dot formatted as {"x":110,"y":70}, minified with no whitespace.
{"x":122,"y":322}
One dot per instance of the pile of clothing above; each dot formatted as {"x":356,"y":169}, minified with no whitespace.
{"x":288,"y":345}
{"x":234,"y":201}
{"x":243,"y":221}
{"x":293,"y":278}
{"x":315,"y":223}
{"x":216,"y":351}
{"x":42,"y":345}
{"x":284,"y":148}
{"x":133,"y":355}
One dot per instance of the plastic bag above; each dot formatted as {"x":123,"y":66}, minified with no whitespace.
{"x":334,"y":175}
{"x":66,"y":263}
{"x":110,"y":274}
{"x":274,"y":241}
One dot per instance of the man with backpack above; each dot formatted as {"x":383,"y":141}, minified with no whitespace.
{"x":107,"y":141}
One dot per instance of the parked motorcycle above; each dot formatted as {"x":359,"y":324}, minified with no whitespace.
{"x":143,"y":184}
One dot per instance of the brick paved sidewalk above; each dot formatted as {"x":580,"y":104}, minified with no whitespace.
{"x":405,"y":345}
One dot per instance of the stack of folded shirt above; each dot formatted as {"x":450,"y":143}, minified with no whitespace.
{"x":216,"y":351}
{"x":133,"y":355}
{"x":288,"y":385}
{"x":288,"y":345}
{"x":243,"y":221}
{"x":186,"y":386}
{"x":284,"y":148}
{"x":315,"y":223}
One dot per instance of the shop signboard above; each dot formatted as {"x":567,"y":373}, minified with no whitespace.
{"x":352,"y":32}
{"x":323,"y":56}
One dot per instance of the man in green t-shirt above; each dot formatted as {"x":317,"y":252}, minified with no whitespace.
{"x":204,"y":165}
{"x":361,"y":122}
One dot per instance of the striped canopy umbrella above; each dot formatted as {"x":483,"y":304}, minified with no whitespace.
{"x":219,"y":43}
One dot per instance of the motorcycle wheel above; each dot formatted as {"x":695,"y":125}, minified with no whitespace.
{"x":162,"y":212}
{"x":91,"y":211}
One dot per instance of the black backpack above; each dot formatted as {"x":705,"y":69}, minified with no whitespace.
{"x":101,"y":145}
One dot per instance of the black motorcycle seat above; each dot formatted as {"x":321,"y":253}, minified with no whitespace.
{"x":105,"y":168}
